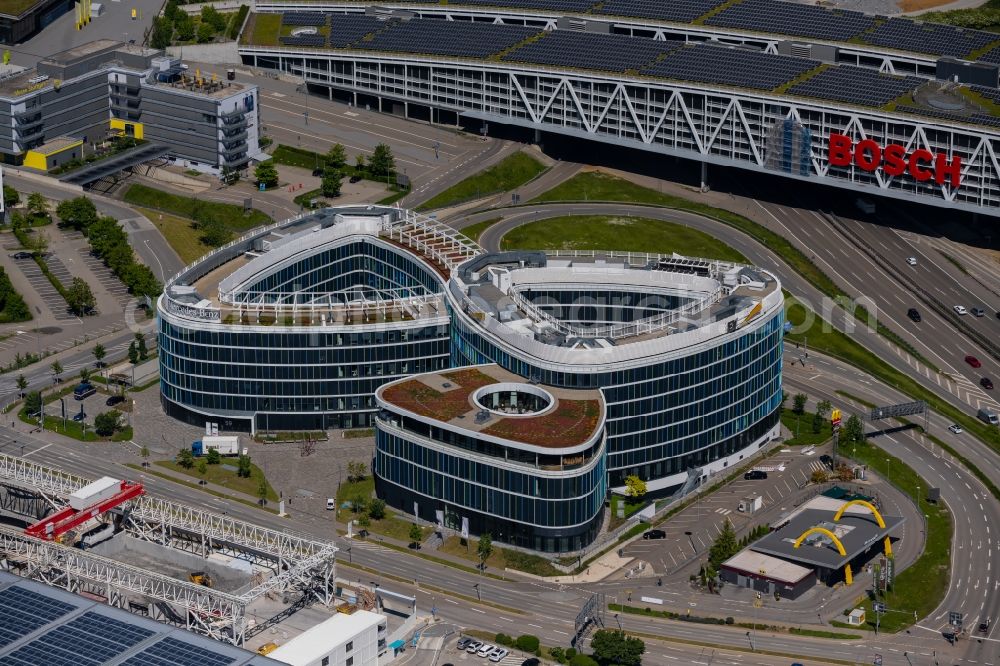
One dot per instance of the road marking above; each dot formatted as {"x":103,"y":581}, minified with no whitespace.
{"x":479,"y":611}
{"x":41,"y":448}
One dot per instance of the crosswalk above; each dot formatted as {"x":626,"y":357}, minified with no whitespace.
{"x":817,"y":466}
{"x":723,"y":512}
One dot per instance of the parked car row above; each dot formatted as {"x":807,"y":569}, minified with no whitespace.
{"x":494,"y":653}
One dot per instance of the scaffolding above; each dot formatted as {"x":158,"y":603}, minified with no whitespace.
{"x":298,"y":564}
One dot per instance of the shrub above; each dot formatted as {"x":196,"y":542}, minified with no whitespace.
{"x":527,"y":642}
{"x":582,"y":660}
{"x":730,"y":620}
{"x":504,"y":639}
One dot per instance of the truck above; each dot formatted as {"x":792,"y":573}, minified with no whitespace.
{"x":94,"y":493}
{"x":95,"y":536}
{"x":226,"y":445}
{"x":988,"y":416}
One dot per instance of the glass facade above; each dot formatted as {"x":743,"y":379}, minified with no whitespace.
{"x":667,"y":416}
{"x":301,"y":377}
{"x":550,"y":508}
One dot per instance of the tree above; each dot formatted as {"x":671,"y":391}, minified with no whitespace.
{"x":213,"y":457}
{"x":133,"y":353}
{"x":185,"y":458}
{"x":106,"y":423}
{"x":211,"y":16}
{"x":381,"y":163}
{"x":724,"y":547}
{"x":853,"y":430}
{"x":359,"y":163}
{"x":611,"y":646}
{"x":359,"y":503}
{"x":99,"y":353}
{"x":822,"y":411}
{"x":364,"y":522}
{"x":163,"y":30}
{"x":205,"y":33}
{"x":416,"y":535}
{"x":336,"y":157}
{"x":22,"y":383}
{"x":37,"y":205}
{"x":266,"y":174}
{"x":202,"y":466}
{"x":244,"y":467}
{"x":484,"y":548}
{"x":527,"y":643}
{"x":214,"y":232}
{"x":184,"y":25}
{"x":78,"y":213}
{"x":38,"y":243}
{"x":33,"y":402}
{"x":140,"y":346}
{"x":377,"y":509}
{"x":330,"y":185}
{"x":635,"y":487}
{"x":10,"y":197}
{"x":818,"y":476}
{"x":799,"y":404}
{"x":144,"y":453}
{"x":85,"y":374}
{"x":79,"y":297}
{"x":57,"y":369}
{"x":262,"y":490}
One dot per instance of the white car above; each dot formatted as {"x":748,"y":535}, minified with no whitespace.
{"x":473,"y":647}
{"x":911,"y":261}
{"x":955,"y":428}
{"x":960,"y":309}
{"x":485,"y":650}
{"x":498,"y":654}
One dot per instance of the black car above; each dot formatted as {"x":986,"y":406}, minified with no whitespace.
{"x":318,"y":173}
{"x":913,"y":314}
{"x":355,"y":179}
{"x":826,"y":460}
{"x":755,"y":475}
{"x":114,"y":400}
{"x":79,"y":416}
{"x":986,"y":383}
{"x":21,"y":255}
{"x":531,"y":662}
{"x":654,"y":534}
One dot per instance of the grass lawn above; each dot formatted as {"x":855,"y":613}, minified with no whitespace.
{"x":180,"y":234}
{"x":626,"y":234}
{"x":227,"y":478}
{"x":262,"y":30}
{"x":75,"y":430}
{"x":501,"y":557}
{"x":922,"y":585}
{"x":191,"y":207}
{"x":394,"y":526}
{"x":510,"y":173}
{"x":474,"y":231}
{"x":803,"y":426}
{"x":630,"y":508}
{"x":298,"y":157}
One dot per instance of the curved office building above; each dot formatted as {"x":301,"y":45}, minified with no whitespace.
{"x":297,"y":326}
{"x":483,"y":449}
{"x":294,"y":326}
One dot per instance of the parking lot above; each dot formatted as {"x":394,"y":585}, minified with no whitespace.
{"x":691,"y":532}
{"x":451,"y":653}
{"x":91,"y":407}
{"x":104,"y":276}
{"x":52,"y":299}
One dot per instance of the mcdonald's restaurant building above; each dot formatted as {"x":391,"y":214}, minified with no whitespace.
{"x":830,"y":544}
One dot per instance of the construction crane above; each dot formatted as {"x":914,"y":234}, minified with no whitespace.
{"x":86,"y":503}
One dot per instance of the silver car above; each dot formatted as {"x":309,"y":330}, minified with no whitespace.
{"x":498,"y":654}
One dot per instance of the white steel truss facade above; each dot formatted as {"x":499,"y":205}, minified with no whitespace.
{"x":758,"y":131}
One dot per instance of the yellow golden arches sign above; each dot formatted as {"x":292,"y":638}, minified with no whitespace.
{"x":867,"y":505}
{"x":826,"y":532}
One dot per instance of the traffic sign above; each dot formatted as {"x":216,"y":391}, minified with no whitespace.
{"x":878,"y":607}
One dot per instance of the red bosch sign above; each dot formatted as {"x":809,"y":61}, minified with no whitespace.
{"x":893,"y":159}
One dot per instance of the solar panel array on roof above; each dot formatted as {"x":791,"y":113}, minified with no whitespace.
{"x":304,"y":40}
{"x":587,"y":50}
{"x":88,"y":640}
{"x":681,"y":11}
{"x":172,"y":652}
{"x":991,"y":56}
{"x":789,"y":18}
{"x":855,"y":85}
{"x":541,"y":5}
{"x":345,"y":29}
{"x":931,"y":38}
{"x":303,"y":18}
{"x":975,"y":118}
{"x":992,"y":94}
{"x":23,"y":611}
{"x":705,"y":63}
{"x":448,"y":38}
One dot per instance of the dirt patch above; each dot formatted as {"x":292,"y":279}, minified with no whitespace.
{"x":917,"y":5}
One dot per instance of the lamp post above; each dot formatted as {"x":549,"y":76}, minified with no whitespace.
{"x":886,"y":469}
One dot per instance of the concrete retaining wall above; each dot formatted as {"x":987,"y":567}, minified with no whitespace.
{"x":225,"y":53}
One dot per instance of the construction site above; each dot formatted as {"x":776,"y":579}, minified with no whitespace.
{"x":111,"y":542}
